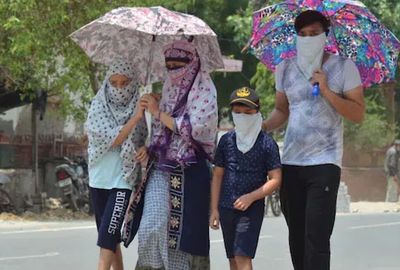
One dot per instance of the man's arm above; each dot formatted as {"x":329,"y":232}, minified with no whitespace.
{"x":279,"y":115}
{"x":351,"y":106}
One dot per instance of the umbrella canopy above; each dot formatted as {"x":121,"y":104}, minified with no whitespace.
{"x":355,"y":33}
{"x":139,"y":34}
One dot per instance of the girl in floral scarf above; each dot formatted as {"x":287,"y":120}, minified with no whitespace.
{"x":169,"y":211}
{"x":117,"y":133}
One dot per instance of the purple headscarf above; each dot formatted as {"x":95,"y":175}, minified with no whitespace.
{"x":189,"y":96}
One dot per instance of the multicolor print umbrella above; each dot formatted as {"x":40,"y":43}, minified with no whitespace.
{"x":140,"y":33}
{"x":355,"y":33}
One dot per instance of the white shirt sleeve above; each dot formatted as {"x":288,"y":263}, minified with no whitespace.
{"x":351,"y":76}
{"x":279,"y":74}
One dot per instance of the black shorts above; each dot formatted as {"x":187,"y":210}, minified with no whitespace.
{"x":241,"y":229}
{"x":109,"y":208}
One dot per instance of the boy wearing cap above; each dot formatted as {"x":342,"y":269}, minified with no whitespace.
{"x":244,"y":159}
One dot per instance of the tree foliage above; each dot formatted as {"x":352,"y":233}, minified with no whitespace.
{"x":36,"y":50}
{"x":37,"y":54}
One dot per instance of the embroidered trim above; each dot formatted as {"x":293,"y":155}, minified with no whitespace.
{"x":176,"y":187}
{"x":134,"y":200}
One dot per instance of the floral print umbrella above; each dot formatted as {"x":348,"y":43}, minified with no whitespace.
{"x":355,"y":33}
{"x":139,"y":34}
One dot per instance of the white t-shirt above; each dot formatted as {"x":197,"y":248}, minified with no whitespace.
{"x":314,"y":134}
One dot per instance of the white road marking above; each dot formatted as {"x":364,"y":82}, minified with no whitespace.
{"x":221,"y":240}
{"x":51,"y":230}
{"x":50,"y":254}
{"x":374,"y":225}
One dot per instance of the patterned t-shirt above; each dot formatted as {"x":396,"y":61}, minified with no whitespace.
{"x":314,"y":132}
{"x":244,"y":173}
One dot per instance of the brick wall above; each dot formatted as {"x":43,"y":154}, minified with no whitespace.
{"x":365,"y":184}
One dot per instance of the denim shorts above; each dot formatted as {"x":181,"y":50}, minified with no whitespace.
{"x":241,"y":229}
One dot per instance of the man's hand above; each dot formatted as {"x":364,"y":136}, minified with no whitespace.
{"x":243,"y":202}
{"x":214,"y":220}
{"x":319,"y":77}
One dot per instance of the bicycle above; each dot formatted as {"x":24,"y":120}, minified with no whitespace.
{"x":273,"y":200}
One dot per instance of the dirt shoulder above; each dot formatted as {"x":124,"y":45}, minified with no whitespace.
{"x":49,"y":215}
{"x":375,"y":207}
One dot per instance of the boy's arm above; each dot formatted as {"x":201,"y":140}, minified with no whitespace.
{"x":274,"y":182}
{"x":218,"y":174}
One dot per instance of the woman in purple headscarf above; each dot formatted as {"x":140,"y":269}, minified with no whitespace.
{"x":169,"y":210}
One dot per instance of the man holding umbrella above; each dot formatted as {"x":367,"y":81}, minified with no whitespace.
{"x":314,"y":137}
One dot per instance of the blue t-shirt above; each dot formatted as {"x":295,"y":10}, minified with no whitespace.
{"x":244,"y":173}
{"x":107,"y":172}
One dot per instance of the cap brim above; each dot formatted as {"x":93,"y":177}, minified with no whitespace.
{"x":245,"y":102}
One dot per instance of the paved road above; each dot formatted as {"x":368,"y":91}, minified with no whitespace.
{"x":360,"y":242}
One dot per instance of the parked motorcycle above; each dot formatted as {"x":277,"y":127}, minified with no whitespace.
{"x":6,"y":203}
{"x":73,"y":180}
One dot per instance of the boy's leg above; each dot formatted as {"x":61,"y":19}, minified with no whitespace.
{"x":227,"y":219}
{"x":243,"y":263}
{"x":108,"y":258}
{"x":110,"y":230}
{"x":232,"y":264}
{"x":293,"y":203}
{"x":322,"y":188}
{"x":99,"y":199}
{"x":118,"y":263}
{"x":247,"y":233}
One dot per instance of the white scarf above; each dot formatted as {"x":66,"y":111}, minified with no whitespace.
{"x":247,"y":128}
{"x":109,"y":111}
{"x":310,"y":51}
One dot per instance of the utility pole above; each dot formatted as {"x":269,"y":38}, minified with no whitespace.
{"x":35,"y":148}
{"x":38,"y":109}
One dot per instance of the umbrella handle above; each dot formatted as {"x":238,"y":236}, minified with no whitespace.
{"x":153,"y":39}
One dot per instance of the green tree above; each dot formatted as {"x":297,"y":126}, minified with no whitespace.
{"x":262,"y":79}
{"x":37,"y":52}
{"x":388,"y":12}
{"x":375,"y":132}
{"x":216,"y":14}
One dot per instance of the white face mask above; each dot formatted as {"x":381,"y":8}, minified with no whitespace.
{"x":310,"y":51}
{"x":247,"y":128}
